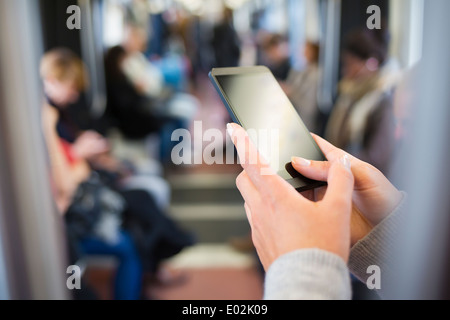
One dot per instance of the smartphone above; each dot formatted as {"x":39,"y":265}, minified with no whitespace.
{"x":256,"y":101}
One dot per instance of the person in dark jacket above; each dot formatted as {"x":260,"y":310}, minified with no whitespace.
{"x":362,"y":121}
{"x":225,"y":42}
{"x":127,"y":109}
{"x":275,"y":55}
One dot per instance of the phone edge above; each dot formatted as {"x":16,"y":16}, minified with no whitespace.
{"x":223,"y":98}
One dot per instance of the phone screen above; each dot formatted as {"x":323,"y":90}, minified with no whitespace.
{"x":259,"y":103}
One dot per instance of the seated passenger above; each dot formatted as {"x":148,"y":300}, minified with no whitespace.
{"x":134,"y":114}
{"x":139,"y":100}
{"x":101,"y":220}
{"x":362,"y":121}
{"x":275,"y":55}
{"x":301,"y":87}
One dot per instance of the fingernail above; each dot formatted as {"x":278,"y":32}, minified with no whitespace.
{"x":301,"y":161}
{"x":230,"y":129}
{"x":345,"y":160}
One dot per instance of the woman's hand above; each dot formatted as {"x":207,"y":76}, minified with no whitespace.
{"x":89,"y":144}
{"x":374,"y":197}
{"x":282,"y":220}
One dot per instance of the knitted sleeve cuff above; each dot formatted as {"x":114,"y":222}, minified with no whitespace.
{"x":377,"y":248}
{"x":308,"y":274}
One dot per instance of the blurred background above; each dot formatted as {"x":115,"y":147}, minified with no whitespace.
{"x":87,"y":114}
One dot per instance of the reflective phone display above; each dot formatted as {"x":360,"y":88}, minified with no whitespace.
{"x":256,"y":101}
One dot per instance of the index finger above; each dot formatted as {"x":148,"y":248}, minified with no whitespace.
{"x":331,"y":152}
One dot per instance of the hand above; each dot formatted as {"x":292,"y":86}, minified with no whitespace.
{"x":281,"y":219}
{"x":89,"y":144}
{"x":374,"y":197}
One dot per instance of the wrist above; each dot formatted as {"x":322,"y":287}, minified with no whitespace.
{"x":394,"y":199}
{"x":400,"y":199}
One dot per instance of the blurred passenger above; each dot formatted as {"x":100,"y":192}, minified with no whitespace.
{"x":301,"y":87}
{"x":167,"y":48}
{"x":362,"y":120}
{"x":148,"y":80}
{"x":137,"y":92}
{"x":92,"y":147}
{"x":136,"y":67}
{"x":275,"y":55}
{"x":63,"y":80}
{"x":137,"y":14}
{"x":225,"y":42}
{"x":129,"y":110}
{"x":100,"y":219}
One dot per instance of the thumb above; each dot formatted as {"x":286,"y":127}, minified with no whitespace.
{"x":316,"y":170}
{"x":340,"y":184}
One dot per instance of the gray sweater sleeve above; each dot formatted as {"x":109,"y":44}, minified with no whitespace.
{"x":317,"y":274}
{"x":308,"y":274}
{"x":378,"y":249}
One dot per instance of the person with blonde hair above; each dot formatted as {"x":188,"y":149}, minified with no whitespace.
{"x":64,"y":77}
{"x":102,"y":216}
